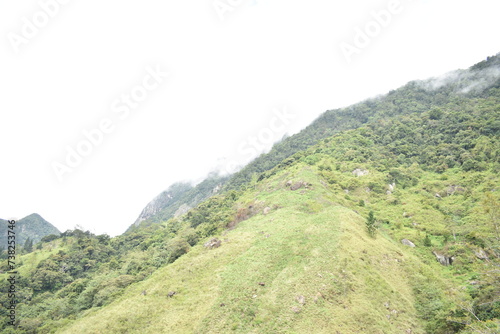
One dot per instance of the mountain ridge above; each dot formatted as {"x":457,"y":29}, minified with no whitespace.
{"x":469,"y":82}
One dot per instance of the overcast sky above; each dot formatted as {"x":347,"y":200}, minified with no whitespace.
{"x":104,"y":104}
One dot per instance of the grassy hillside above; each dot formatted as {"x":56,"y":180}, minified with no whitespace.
{"x":319,"y":270}
{"x":308,"y":265}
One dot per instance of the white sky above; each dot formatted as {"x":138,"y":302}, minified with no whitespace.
{"x":225,"y":79}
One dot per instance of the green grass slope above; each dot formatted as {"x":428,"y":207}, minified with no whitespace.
{"x":308,"y":265}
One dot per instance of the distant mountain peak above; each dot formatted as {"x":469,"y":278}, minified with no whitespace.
{"x":33,"y":226}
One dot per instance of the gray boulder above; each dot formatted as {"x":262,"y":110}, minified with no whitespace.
{"x":443,"y":259}
{"x":407,"y":243}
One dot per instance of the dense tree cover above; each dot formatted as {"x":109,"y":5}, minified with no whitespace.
{"x":466,"y":136}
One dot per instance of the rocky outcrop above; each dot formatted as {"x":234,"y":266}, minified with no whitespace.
{"x":179,"y":198}
{"x":481,"y":254}
{"x":213,"y":243}
{"x":297,"y":185}
{"x":153,"y":207}
{"x":407,"y":243}
{"x":444,"y":259}
{"x":360,"y":172}
{"x":217,"y":189}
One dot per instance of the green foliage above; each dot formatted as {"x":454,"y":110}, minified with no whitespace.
{"x":49,"y":238}
{"x":176,"y":248}
{"x":435,"y":114}
{"x":491,"y":205}
{"x":371,"y":224}
{"x":427,"y":241}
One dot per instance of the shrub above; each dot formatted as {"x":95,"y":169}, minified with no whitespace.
{"x":371,"y":224}
{"x":176,"y":248}
{"x":427,"y":241}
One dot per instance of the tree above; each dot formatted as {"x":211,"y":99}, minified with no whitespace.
{"x":371,"y":224}
{"x":427,"y":241}
{"x":435,"y":114}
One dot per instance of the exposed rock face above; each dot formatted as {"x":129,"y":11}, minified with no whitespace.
{"x":153,"y":207}
{"x":481,"y":254}
{"x":217,"y":189}
{"x":298,"y":185}
{"x":266,"y":210}
{"x":175,"y":200}
{"x":360,"y":172}
{"x":407,"y":243}
{"x":213,"y":243}
{"x":184,"y":208}
{"x":443,"y":259}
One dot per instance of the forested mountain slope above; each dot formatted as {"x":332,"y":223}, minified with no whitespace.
{"x":414,"y":98}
